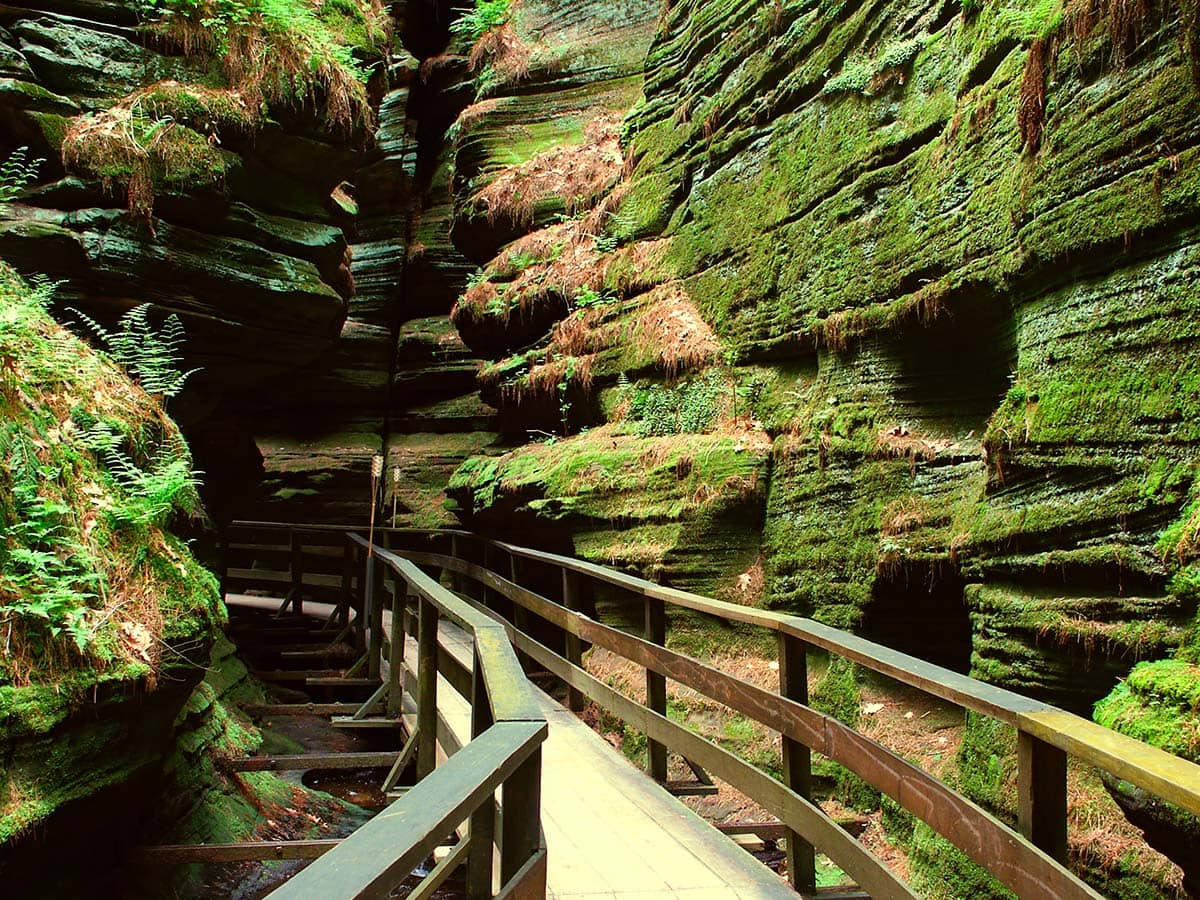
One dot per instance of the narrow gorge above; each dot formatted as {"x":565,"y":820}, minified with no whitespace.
{"x":879,"y":312}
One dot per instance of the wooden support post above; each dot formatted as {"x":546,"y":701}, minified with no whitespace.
{"x":797,"y":761}
{"x":483,"y":819}
{"x":297,"y":571}
{"x":359,"y":603}
{"x":396,"y":654}
{"x":572,"y":599}
{"x":521,"y":824}
{"x":1042,"y":795}
{"x":489,"y":562}
{"x":427,"y":649}
{"x":457,"y":581}
{"x":342,"y":616}
{"x":656,"y":687}
{"x":520,"y":617}
{"x":374,"y":587}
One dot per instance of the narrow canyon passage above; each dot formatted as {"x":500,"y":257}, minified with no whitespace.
{"x":876,"y":314}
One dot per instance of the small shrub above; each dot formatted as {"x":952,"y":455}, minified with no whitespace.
{"x":589,"y":299}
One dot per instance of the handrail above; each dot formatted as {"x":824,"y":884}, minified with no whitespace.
{"x":1025,"y":868}
{"x":507,"y":729}
{"x":382,"y":853}
{"x":1141,"y":764}
{"x":1031,"y":861}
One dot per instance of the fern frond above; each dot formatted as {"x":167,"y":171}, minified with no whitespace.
{"x":16,"y":172}
{"x":92,"y":325}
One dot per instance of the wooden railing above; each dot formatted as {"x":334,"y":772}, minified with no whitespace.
{"x":1029,"y":859}
{"x":504,"y":753}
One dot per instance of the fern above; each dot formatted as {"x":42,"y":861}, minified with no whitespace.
{"x":15,"y":173}
{"x":151,"y":494}
{"x":152,"y":357}
{"x":46,"y":576}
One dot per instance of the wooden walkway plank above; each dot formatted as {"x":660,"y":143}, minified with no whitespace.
{"x":610,"y":830}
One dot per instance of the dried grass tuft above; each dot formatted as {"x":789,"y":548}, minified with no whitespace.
{"x":579,"y":175}
{"x":280,"y":62}
{"x":1031,"y":107}
{"x":897,"y":442}
{"x":674,"y":331}
{"x":504,"y":51}
{"x":164,"y":132}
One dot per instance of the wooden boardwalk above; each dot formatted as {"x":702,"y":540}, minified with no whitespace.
{"x":610,"y":830}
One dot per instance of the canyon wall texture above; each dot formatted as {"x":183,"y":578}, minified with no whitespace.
{"x":879,"y":312}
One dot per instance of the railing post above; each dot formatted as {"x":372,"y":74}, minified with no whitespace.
{"x":572,"y":599}
{"x":375,"y":648}
{"x":521,"y":823}
{"x":797,"y":760}
{"x":1042,"y":794}
{"x":343,"y":611}
{"x":520,"y":615}
{"x":427,"y":647}
{"x":656,"y":687}
{"x":368,"y":600}
{"x":395,"y":696}
{"x":297,"y":571}
{"x":489,"y":559}
{"x":483,"y":820}
{"x":457,"y":581}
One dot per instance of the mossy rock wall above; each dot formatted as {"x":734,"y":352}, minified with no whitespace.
{"x":1001,"y":334}
{"x":288,"y":262}
{"x":107,"y":617}
{"x":976,"y":342}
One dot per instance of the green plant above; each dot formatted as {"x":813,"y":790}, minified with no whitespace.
{"x":589,"y":298}
{"x":605,"y":243}
{"x":90,"y":467}
{"x":149,"y":495}
{"x":563,"y":388}
{"x":472,"y":24}
{"x":15,"y":173}
{"x":46,"y":576}
{"x":150,"y":356}
{"x":519,"y":262}
{"x":691,"y":408}
{"x":496,"y":306}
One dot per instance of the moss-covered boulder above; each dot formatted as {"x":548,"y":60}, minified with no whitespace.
{"x":107,"y":617}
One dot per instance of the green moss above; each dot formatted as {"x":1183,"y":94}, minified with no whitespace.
{"x":940,"y":871}
{"x":645,"y":209}
{"x":987,"y":764}
{"x":1157,"y":704}
{"x":53,"y":127}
